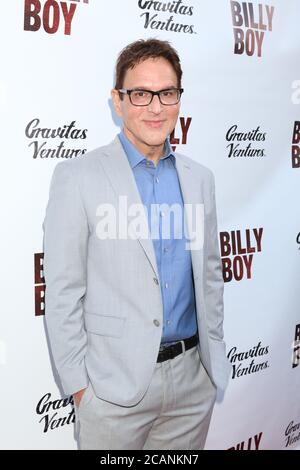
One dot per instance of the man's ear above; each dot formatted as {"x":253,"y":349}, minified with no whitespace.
{"x":116,"y":101}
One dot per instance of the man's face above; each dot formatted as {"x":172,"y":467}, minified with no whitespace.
{"x":148,"y":126}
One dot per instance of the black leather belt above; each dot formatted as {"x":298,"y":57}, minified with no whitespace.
{"x":175,"y":349}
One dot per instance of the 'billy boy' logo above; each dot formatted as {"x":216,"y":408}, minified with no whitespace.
{"x":296,"y":145}
{"x":236,"y":258}
{"x":255,"y":19}
{"x":39,"y":284}
{"x":181,"y":134}
{"x":252,"y":443}
{"x":296,"y":347}
{"x":49,"y":15}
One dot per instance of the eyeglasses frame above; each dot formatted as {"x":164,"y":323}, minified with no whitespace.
{"x":128,"y":92}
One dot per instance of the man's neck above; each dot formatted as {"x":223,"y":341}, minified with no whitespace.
{"x":153,"y":153}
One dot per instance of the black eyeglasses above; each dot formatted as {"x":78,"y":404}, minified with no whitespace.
{"x":140,"y":97}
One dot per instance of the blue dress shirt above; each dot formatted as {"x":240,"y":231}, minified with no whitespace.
{"x":159,"y":187}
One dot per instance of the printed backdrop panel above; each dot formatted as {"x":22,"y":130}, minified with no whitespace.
{"x":240,"y":115}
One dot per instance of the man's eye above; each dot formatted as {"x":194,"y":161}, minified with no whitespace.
{"x":168,"y":92}
{"x":140,"y":94}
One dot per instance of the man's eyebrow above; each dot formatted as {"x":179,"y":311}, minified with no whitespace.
{"x":171,"y":87}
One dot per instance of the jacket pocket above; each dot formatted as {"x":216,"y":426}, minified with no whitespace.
{"x":104,"y":325}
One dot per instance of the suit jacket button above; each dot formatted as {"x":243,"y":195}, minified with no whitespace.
{"x":155,"y":280}
{"x":156,"y":322}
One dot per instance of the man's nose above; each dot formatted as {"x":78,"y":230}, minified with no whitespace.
{"x":155,"y":106}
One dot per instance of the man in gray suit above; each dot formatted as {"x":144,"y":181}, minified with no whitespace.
{"x":134,"y":294}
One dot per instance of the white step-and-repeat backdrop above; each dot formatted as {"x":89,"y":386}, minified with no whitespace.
{"x":240,"y":116}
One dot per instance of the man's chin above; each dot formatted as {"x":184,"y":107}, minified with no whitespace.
{"x":155,"y":143}
{"x":156,"y":140}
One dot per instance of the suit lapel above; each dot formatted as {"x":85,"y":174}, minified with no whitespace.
{"x":191,"y":193}
{"x":122,"y":179}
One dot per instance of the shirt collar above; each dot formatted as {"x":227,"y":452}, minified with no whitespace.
{"x":133,"y":154}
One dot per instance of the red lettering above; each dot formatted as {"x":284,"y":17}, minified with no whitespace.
{"x":32,"y":21}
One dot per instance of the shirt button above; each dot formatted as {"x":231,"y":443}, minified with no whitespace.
{"x":166,"y":285}
{"x":155,"y":280}
{"x":156,"y":322}
{"x":168,"y":322}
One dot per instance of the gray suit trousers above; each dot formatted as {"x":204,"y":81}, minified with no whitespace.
{"x":173,"y":414}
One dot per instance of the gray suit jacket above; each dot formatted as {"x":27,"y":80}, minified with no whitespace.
{"x":103,"y":303}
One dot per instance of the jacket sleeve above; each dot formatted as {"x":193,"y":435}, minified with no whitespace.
{"x":214,"y":290}
{"x":214,"y":275}
{"x":65,"y":241}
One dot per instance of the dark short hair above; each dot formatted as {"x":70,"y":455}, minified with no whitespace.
{"x":143,"y":49}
